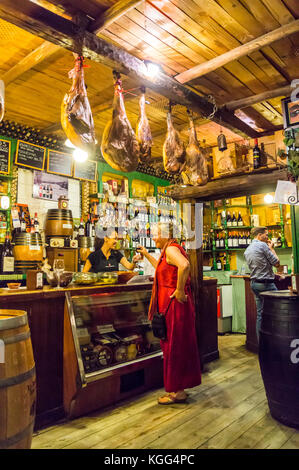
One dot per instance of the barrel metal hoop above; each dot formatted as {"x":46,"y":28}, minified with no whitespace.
{"x":4,"y":444}
{"x":14,"y":322}
{"x":16,"y":338}
{"x":17,"y":379}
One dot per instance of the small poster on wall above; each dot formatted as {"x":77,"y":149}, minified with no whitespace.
{"x":48,"y":186}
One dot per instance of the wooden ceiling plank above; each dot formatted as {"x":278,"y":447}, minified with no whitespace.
{"x":280,"y":12}
{"x":262,"y":14}
{"x":239,"y":104}
{"x":64,"y":33}
{"x":259,"y":120}
{"x":293,"y":6}
{"x":237,"y":11}
{"x":234,"y":54}
{"x":112,"y":14}
{"x":45,"y":50}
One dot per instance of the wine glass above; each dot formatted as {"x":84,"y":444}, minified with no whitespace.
{"x":58,"y":267}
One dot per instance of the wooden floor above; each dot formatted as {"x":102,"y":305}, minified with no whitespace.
{"x":228,"y":411}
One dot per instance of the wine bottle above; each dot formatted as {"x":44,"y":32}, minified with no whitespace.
{"x":228,"y":219}
{"x":256,"y":155}
{"x":32,"y":226}
{"x":217,"y":241}
{"x":222,"y":242}
{"x":22,"y":222}
{"x":7,"y":258}
{"x":234,"y":220}
{"x":93,"y":229}
{"x":248,"y":239}
{"x":81,"y":230}
{"x":230,"y":241}
{"x":240,"y":220}
{"x":88,"y":227}
{"x":36,"y":223}
{"x":218,"y":263}
{"x":235,"y":240}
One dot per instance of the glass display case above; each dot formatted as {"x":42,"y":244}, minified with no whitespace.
{"x":111,"y":331}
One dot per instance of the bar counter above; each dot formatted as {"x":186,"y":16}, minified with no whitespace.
{"x":45,"y":310}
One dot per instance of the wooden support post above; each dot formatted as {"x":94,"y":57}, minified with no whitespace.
{"x":295,"y":236}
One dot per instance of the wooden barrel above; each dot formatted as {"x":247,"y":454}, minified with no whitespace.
{"x":17,"y":381}
{"x":59,"y":223}
{"x":279,"y":355}
{"x":28,"y":251}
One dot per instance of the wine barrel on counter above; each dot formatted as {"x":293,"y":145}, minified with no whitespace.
{"x":28,"y":251}
{"x":279,"y":355}
{"x":59,"y":223}
{"x":17,"y":381}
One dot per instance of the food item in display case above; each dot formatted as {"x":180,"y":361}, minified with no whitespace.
{"x":76,"y":117}
{"x":120,"y":353}
{"x":196,"y":169}
{"x":104,"y":355}
{"x":120,"y":147}
{"x":173,"y":149}
{"x":143,"y":131}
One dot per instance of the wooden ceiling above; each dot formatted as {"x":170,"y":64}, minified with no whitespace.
{"x":177,"y":34}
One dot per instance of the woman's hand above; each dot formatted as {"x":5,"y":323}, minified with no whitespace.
{"x":141,"y":250}
{"x":136,"y":258}
{"x":180,"y":296}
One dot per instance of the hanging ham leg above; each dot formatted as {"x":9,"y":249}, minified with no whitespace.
{"x":173,"y":149}
{"x":196,"y":169}
{"x":143,"y":131}
{"x":119,"y":146}
{"x":76,"y":116}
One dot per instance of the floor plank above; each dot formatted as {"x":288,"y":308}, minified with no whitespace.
{"x":228,"y":410}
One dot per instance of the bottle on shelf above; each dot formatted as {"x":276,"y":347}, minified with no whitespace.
{"x":235,"y":240}
{"x":218,"y":263}
{"x":22,"y":222}
{"x":240,"y":220}
{"x":217,"y":241}
{"x":93,"y":229}
{"x":88,"y":227}
{"x":222,"y":241}
{"x":256,"y":155}
{"x":7,"y":257}
{"x":36,"y":223}
{"x":228,"y":219}
{"x":32,"y":226}
{"x":248,"y":239}
{"x":234,"y":220}
{"x":223,"y":218}
{"x":229,"y":241}
{"x":81,"y":230}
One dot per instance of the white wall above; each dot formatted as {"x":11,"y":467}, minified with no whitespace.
{"x":41,"y":206}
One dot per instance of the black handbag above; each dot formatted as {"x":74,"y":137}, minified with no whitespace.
{"x":159,"y":324}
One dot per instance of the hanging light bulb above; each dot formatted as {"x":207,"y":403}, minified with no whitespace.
{"x":69,"y":144}
{"x":268,"y":198}
{"x":79,"y":155}
{"x":151,"y":69}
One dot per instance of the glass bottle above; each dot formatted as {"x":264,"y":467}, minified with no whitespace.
{"x":256,"y":155}
{"x":7,"y":257}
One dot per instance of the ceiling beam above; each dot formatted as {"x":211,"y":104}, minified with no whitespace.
{"x":254,"y":99}
{"x":44,"y":51}
{"x":112,"y":14}
{"x":237,"y":52}
{"x":234,"y":185}
{"x":64,"y":33}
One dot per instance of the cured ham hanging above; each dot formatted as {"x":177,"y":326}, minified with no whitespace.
{"x":143,"y":131}
{"x":173,"y":148}
{"x":196,"y":169}
{"x":76,"y":117}
{"x":120,"y":147}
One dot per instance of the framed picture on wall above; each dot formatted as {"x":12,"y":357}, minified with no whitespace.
{"x":290,"y":111}
{"x":48,"y":186}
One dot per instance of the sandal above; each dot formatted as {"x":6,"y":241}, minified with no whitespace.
{"x":169,"y":399}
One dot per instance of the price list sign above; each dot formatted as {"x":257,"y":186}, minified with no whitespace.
{"x":60,"y":163}
{"x":5,"y":156}
{"x":30,"y":155}
{"x":86,"y":171}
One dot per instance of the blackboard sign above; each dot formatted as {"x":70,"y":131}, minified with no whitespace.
{"x":86,"y":170}
{"x":60,"y":163}
{"x":4,"y":156}
{"x":30,"y":155}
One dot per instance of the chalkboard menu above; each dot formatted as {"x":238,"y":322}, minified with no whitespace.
{"x":30,"y":155}
{"x":59,"y":163}
{"x":4,"y":156}
{"x":86,"y":170}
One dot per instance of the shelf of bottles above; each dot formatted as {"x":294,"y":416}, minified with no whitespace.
{"x":230,"y":226}
{"x":132,"y":216}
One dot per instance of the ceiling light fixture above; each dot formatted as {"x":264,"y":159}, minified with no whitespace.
{"x":79,"y":155}
{"x":151,"y":69}
{"x":268,"y":198}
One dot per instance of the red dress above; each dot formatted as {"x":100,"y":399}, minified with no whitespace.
{"x":180,"y":352}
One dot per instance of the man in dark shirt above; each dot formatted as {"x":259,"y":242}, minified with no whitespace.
{"x":261,"y":257}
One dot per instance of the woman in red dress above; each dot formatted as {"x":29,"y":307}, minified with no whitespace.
{"x":180,"y":352}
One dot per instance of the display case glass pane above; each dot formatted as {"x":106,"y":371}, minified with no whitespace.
{"x":112,"y":329}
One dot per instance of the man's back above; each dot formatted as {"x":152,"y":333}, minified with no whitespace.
{"x":260,"y":260}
